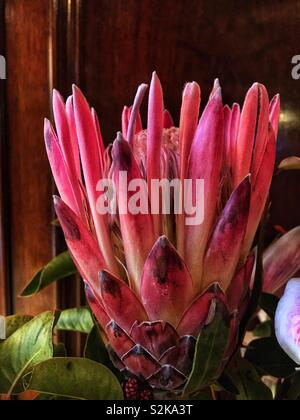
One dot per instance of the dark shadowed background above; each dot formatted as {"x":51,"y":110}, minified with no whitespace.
{"x":108,"y":47}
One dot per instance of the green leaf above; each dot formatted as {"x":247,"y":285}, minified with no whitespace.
{"x":264,"y":329}
{"x":96,"y":350}
{"x":14,"y":322}
{"x":210,"y":349}
{"x":29,"y":345}
{"x":76,"y":378}
{"x":267,"y":355}
{"x":60,"y":267}
{"x":269,"y":304}
{"x":247,"y":381}
{"x":76,"y":319}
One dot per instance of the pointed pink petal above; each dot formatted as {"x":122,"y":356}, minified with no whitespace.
{"x":239,"y":286}
{"x":168,"y":120}
{"x":215,"y":88}
{"x":167,"y":378}
{"x":205,"y":163}
{"x":119,"y":301}
{"x":59,"y":168}
{"x":260,"y":191}
{"x":188,"y":123}
{"x":137,"y":229}
{"x":155,"y":128}
{"x":63,"y":132}
{"x":281,"y":261}
{"x":156,"y":337}
{"x":73,"y":136}
{"x":261,"y":132}
{"x":196,"y":316}
{"x":96,"y":306}
{"x":140,"y":362}
{"x":227,"y":135}
{"x":234,"y":130}
{"x":275,"y":113}
{"x":91,"y":165}
{"x":118,"y":339}
{"x":252,"y":131}
{"x":166,"y":286}
{"x":224,"y":248}
{"x":287,"y":320}
{"x":82,"y":245}
{"x":135,"y":112}
{"x":154,"y":138}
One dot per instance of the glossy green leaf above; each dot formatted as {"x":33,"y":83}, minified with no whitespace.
{"x":29,"y":345}
{"x":60,"y":267}
{"x":74,"y":378}
{"x":76,"y":319}
{"x":210,"y":349}
{"x":247,"y":381}
{"x":14,"y":322}
{"x":267,"y":355}
{"x":96,"y":350}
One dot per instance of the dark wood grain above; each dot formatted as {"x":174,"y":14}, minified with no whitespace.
{"x":4,"y":186}
{"x":27,"y":29}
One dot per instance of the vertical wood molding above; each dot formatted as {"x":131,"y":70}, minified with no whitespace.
{"x":5,"y":296}
{"x":27,"y":34}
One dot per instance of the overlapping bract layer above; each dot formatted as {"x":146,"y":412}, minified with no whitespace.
{"x":151,"y":281}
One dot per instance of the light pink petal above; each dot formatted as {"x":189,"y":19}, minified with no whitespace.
{"x":287,"y":321}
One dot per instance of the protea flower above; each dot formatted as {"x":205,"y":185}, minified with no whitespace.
{"x":153,"y":282}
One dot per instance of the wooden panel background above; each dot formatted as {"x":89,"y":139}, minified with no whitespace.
{"x":108,"y":47}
